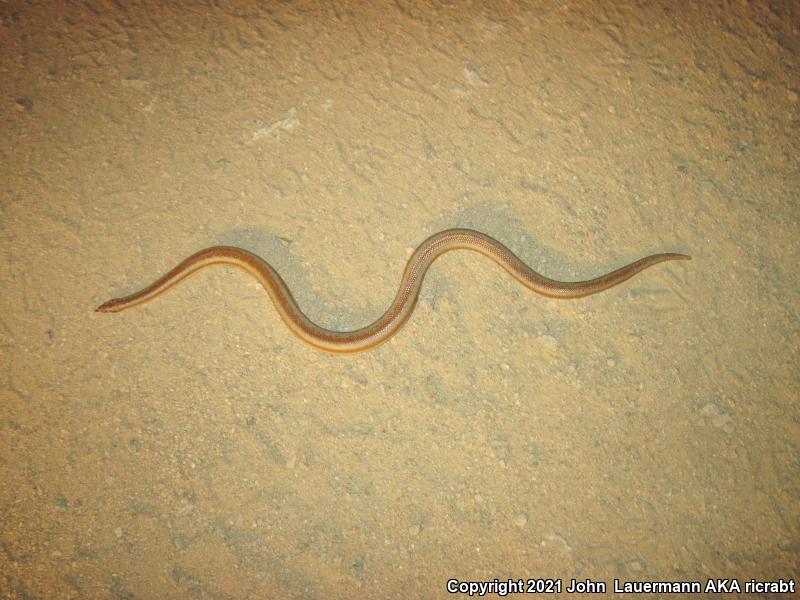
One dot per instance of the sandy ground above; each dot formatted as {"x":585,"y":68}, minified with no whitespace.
{"x":194,"y":448}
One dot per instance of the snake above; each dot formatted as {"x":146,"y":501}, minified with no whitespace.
{"x":404,"y":302}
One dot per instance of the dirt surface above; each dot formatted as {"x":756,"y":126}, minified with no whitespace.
{"x":194,"y":448}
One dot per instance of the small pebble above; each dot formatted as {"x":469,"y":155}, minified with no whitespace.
{"x":23,"y":104}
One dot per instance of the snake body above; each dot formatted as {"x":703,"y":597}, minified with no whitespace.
{"x":403,"y":305}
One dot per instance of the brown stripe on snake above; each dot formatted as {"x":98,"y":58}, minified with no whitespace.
{"x":405,"y":300}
